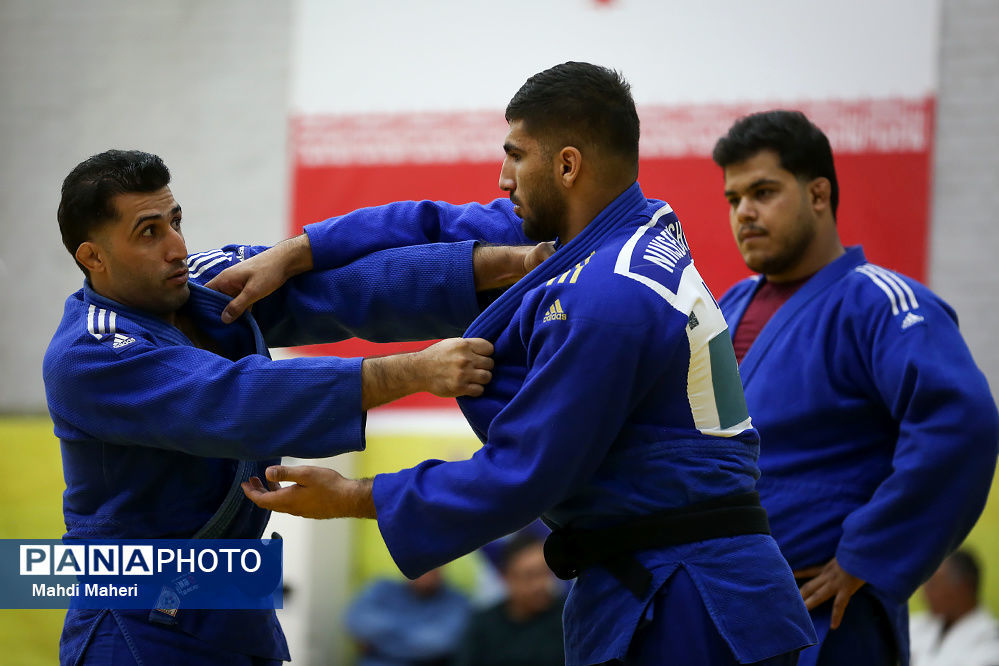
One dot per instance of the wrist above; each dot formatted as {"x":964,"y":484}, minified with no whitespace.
{"x":388,"y":378}
{"x":414,"y":373}
{"x":296,"y":255}
{"x":364,"y":500}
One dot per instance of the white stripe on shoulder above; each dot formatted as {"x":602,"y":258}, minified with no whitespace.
{"x":899,"y":284}
{"x":196,"y":260}
{"x":903,"y":302}
{"x":203,"y":253}
{"x":90,"y":322}
{"x":101,"y":322}
{"x":202,"y":269}
{"x":193,"y":258}
{"x":867,"y":270}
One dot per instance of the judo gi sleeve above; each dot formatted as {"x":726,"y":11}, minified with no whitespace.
{"x":343,"y":239}
{"x":191,"y":400}
{"x":948,"y":430}
{"x":412,"y":293}
{"x":584,"y":377}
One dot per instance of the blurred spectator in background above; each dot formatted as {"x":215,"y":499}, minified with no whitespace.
{"x":526,"y":627}
{"x":414,"y":623}
{"x":956,"y":631}
{"x":490,"y":586}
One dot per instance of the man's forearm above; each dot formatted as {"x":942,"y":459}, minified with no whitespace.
{"x":359,"y":501}
{"x":499,"y":266}
{"x":295,"y":255}
{"x":389,"y":378}
{"x":494,"y":266}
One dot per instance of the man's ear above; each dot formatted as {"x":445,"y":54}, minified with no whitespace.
{"x":569,"y":162}
{"x":819,"y":193}
{"x":91,"y":256}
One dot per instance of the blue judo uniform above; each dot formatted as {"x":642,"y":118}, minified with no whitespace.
{"x":153,"y":430}
{"x":615,"y":395}
{"x":878,"y":434}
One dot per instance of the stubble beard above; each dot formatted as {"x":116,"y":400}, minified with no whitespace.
{"x":549,"y":211}
{"x":791,"y":250}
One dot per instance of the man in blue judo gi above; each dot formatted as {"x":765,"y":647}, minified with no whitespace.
{"x":878,"y":432}
{"x":615,"y":407}
{"x":162,"y":410}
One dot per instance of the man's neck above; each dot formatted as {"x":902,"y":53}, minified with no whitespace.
{"x":583,"y":209}
{"x":169,"y":317}
{"x":819,"y":254}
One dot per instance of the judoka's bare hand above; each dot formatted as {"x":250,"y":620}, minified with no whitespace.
{"x":259,"y":276}
{"x":317,"y":492}
{"x":829,"y":581}
{"x":539,"y":253}
{"x":456,"y":366}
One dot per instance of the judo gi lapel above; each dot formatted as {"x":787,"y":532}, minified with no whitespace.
{"x":208,"y":304}
{"x":819,"y":283}
{"x":495,"y":318}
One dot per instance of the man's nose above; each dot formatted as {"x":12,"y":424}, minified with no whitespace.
{"x":176,"y":248}
{"x":506,"y":180}
{"x":745,"y":211}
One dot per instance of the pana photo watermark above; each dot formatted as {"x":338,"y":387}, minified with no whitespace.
{"x":196,"y":573}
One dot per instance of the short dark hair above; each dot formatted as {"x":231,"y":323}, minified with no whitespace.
{"x":579,"y":103}
{"x":964,"y":568}
{"x":803,"y":149}
{"x":516,"y":544}
{"x":89,"y":189}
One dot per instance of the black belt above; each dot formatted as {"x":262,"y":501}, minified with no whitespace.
{"x":568,"y":551}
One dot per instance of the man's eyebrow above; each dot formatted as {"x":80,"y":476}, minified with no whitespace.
{"x":756,"y":183}
{"x":145,"y":218}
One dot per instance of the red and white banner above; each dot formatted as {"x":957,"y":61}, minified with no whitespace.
{"x":882,"y":151}
{"x":405,"y":101}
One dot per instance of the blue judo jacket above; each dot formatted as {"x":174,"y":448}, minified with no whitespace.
{"x":615,"y":395}
{"x":878,"y":431}
{"x":152,"y":428}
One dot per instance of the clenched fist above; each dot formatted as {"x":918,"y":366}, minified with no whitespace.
{"x":449,"y":368}
{"x":456,"y":366}
{"x":538,"y":253}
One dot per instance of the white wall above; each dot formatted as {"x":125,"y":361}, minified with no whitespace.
{"x":964,"y":245}
{"x":202,"y":83}
{"x":383,"y":55}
